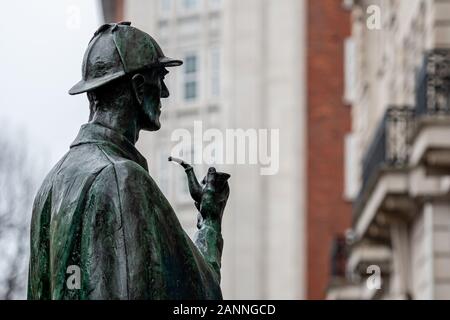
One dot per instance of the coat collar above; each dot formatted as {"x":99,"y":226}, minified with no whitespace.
{"x":97,"y":134}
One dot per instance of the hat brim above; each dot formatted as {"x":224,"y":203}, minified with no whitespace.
{"x":84,"y":86}
{"x":169,"y":62}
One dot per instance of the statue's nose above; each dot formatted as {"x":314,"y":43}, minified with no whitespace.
{"x":164,"y":90}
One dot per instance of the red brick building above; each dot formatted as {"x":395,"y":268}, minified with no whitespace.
{"x":328,"y":120}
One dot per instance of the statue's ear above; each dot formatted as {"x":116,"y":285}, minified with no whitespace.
{"x":138,"y":82}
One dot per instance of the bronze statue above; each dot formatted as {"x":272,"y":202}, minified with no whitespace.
{"x":99,"y":210}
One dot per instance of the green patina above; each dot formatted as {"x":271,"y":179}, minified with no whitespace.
{"x":98,"y":208}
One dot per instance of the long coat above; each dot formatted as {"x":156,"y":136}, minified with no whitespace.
{"x":100,"y":211}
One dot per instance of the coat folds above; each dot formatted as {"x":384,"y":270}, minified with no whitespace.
{"x":99,"y":209}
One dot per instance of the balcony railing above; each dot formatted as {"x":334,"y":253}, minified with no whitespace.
{"x":339,"y":255}
{"x":390,"y":148}
{"x":433,"y":84}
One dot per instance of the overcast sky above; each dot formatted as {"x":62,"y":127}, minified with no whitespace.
{"x":42,"y":45}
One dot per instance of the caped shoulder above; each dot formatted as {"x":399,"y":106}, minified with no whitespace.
{"x":124,"y":166}
{"x":124,"y":172}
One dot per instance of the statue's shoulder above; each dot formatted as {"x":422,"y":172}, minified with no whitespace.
{"x":125,"y":172}
{"x":128,"y":167}
{"x":92,"y":157}
{"x":129,"y":180}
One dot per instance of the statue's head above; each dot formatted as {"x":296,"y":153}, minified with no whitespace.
{"x":124,"y":67}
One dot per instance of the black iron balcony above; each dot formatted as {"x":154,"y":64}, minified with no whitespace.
{"x":433,"y":84}
{"x":392,"y":142}
{"x":433,"y":113}
{"x":389,"y":149}
{"x":338,"y":254}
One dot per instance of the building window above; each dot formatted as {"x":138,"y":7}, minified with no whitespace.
{"x":215,"y":72}
{"x":190,"y":4}
{"x":191,"y":77}
{"x":214,"y":4}
{"x":351,"y":175}
{"x":350,"y":70}
{"x":190,"y":90}
{"x":165,"y":6}
{"x":191,"y":64}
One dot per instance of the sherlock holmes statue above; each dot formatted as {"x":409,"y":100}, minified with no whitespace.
{"x":99,"y":210}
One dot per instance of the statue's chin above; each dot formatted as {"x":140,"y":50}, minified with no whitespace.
{"x":152,"y":126}
{"x":149,"y":121}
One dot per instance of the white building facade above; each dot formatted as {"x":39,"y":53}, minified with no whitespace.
{"x":243,"y":69}
{"x":398,"y":154}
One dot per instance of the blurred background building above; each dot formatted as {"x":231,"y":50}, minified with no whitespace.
{"x":238,"y":57}
{"x":398,"y":152}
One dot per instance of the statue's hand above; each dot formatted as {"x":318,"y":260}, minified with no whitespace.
{"x":215,"y":194}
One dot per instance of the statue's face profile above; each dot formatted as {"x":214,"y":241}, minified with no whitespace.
{"x":149,"y":89}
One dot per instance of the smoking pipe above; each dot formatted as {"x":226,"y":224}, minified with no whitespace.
{"x":195,"y":188}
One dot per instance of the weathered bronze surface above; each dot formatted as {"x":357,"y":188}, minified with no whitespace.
{"x":100,"y":211}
